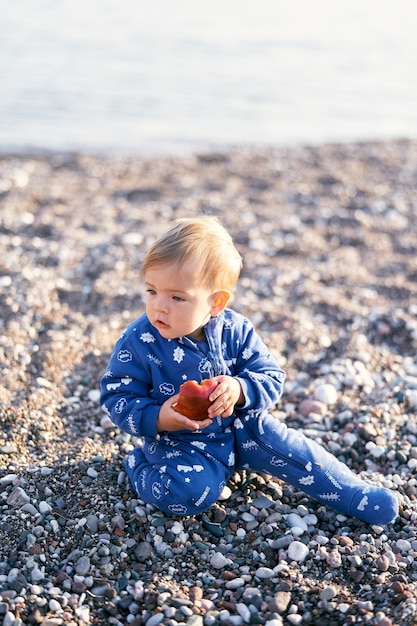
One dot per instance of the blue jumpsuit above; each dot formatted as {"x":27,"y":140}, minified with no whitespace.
{"x":184,"y":472}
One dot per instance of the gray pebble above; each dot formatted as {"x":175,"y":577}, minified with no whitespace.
{"x":82,"y":566}
{"x":18,"y":497}
{"x":156,"y":619}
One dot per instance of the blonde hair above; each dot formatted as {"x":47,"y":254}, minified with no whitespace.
{"x":202,"y":242}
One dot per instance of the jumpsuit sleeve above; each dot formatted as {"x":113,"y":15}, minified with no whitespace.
{"x":126,"y":390}
{"x":261,"y":378}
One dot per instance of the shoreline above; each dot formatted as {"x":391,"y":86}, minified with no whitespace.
{"x":39,"y":152}
{"x":328,"y":236}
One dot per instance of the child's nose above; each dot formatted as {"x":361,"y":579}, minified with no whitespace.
{"x":161,"y":305}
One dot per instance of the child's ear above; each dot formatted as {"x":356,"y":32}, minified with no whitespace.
{"x":219,"y":301}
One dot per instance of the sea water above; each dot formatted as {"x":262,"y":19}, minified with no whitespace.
{"x":169,"y":77}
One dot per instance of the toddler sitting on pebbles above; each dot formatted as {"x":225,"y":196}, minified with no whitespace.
{"x":188,"y":333}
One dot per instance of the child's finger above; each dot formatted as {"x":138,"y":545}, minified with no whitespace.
{"x":193,"y":425}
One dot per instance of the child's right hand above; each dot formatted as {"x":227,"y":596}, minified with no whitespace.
{"x":169,"y":420}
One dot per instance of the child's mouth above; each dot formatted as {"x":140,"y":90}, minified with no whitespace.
{"x":161,"y":324}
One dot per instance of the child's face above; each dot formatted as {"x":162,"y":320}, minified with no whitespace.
{"x":175,"y":304}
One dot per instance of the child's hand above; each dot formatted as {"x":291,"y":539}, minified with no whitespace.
{"x":226,"y":395}
{"x":170,"y":420}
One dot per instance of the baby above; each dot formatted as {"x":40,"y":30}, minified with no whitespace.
{"x":189,"y":333}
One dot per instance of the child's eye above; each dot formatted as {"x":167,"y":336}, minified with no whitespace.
{"x":151,"y":292}
{"x":178,"y":298}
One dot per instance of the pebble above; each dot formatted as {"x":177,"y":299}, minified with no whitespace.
{"x":280,"y":601}
{"x":297,"y":551}
{"x":218,"y":560}
{"x":54,"y":606}
{"x":94,"y":395}
{"x":382,"y":562}
{"x":334,"y":559}
{"x":328,"y":593}
{"x":82,"y":566}
{"x":263,"y":502}
{"x":155,"y":619}
{"x":8,"y":479}
{"x":225,"y":493}
{"x":18,"y":498}
{"x":326,"y":393}
{"x":308,"y":406}
{"x":295,"y":521}
{"x":44,"y":507}
{"x":235,"y":583}
{"x":264,"y":572}
{"x":403,"y":545}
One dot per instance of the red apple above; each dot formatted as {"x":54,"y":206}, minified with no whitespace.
{"x":194,"y":398}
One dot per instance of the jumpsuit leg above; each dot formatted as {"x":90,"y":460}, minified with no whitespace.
{"x":267,"y":445}
{"x":184,"y":485}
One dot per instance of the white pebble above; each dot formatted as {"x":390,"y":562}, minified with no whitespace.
{"x":8,"y":479}
{"x":94,"y":395}
{"x":326,"y":393}
{"x":82,"y":613}
{"x":54,"y":526}
{"x":264,"y":572}
{"x":177,"y":528}
{"x":218,"y":560}
{"x":225,"y":494}
{"x":411,"y":395}
{"x":8,"y":619}
{"x":185,"y":610}
{"x":310,"y":519}
{"x":5,"y":281}
{"x":36,"y":575}
{"x":224,"y":615}
{"x":328,"y":593}
{"x":235,"y":583}
{"x":92,"y":473}
{"x":54,"y":605}
{"x":155,"y":619}
{"x":375,"y":450}
{"x":295,"y":521}
{"x":244,"y":612}
{"x":297,"y":551}
{"x":44,"y":507}
{"x":403,"y":545}
{"x":349,"y":439}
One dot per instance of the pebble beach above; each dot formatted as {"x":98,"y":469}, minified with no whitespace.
{"x":328,"y":235}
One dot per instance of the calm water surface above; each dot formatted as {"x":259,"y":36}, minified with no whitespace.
{"x":170,"y":77}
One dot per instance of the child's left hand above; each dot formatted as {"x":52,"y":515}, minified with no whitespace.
{"x":226,"y":395}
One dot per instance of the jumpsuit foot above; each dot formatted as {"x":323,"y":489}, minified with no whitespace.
{"x":267,"y":445}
